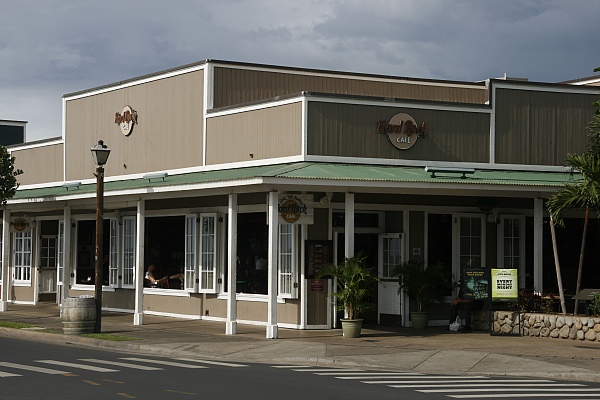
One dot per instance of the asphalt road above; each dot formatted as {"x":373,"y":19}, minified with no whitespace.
{"x":30,"y":370}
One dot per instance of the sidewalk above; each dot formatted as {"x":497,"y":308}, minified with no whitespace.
{"x":430,"y":351}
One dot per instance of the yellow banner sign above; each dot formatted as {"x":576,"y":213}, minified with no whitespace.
{"x":505,"y":285}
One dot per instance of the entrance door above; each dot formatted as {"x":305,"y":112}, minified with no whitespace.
{"x":391,"y":250}
{"x":47,"y":268}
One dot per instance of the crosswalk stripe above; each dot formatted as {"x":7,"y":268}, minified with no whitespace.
{"x":121,"y":364}
{"x":392,"y":383}
{"x":509,"y":389}
{"x":162,"y":362}
{"x":367,"y":375}
{"x":33,"y":368}
{"x":339,"y":370}
{"x":224,"y":364}
{"x":7,"y":374}
{"x":80,"y":366}
{"x":488,"y":385}
{"x":520,"y":395}
{"x":291,"y":366}
{"x":391,"y":376}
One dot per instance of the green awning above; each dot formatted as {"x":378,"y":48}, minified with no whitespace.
{"x":333,"y":172}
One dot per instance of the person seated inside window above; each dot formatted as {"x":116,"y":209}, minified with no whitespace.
{"x":179,"y":276}
{"x":152,"y":281}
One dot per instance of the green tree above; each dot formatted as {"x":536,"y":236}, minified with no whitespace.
{"x":581,"y":193}
{"x":8,"y":175}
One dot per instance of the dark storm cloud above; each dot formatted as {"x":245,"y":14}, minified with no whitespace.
{"x":52,"y":47}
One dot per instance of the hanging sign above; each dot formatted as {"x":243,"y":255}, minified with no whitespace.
{"x":20,"y":224}
{"x":505,"y":285}
{"x":295,"y":209}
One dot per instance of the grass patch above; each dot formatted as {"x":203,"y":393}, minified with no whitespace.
{"x":15,"y":325}
{"x":108,"y":336}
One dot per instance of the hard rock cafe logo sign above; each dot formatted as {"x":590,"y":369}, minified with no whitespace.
{"x":402,"y":130}
{"x":20,"y":225}
{"x":126,"y":119}
{"x":293,"y":208}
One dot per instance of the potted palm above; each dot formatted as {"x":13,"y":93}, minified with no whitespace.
{"x":355,"y":282}
{"x":424,"y":285}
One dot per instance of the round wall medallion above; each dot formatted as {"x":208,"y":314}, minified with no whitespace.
{"x":126,"y":120}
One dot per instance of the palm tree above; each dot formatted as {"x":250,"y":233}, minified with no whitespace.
{"x":582,"y":193}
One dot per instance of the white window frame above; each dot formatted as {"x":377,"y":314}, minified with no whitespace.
{"x":207,"y":253}
{"x":113,"y":254}
{"x":1,"y":252}
{"x":387,"y":263}
{"x":502,"y":248}
{"x":191,"y":279}
{"x":22,"y":258}
{"x":60,"y":261}
{"x":456,"y":237}
{"x":48,"y":243}
{"x":128,"y":255}
{"x":287,"y":265}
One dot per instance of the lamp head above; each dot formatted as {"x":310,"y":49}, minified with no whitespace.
{"x":100,"y":152}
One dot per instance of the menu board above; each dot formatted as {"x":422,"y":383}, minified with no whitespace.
{"x":317,"y":253}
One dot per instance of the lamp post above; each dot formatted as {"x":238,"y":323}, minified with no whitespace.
{"x":100,"y":152}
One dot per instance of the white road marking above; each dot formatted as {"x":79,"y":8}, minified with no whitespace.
{"x":32,"y":368}
{"x":509,"y":389}
{"x":370,"y":375}
{"x":80,"y":366}
{"x":121,"y":364}
{"x":400,"y":377}
{"x":520,"y":395}
{"x":426,"y":383}
{"x":162,"y":362}
{"x":489,"y":385}
{"x":224,"y":364}
{"x":7,"y":374}
{"x":339,"y":370}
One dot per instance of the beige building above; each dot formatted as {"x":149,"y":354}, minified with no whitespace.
{"x":236,"y":180}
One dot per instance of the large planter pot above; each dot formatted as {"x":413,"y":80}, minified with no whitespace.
{"x":420,"y":319}
{"x":78,"y":315}
{"x":351,"y":327}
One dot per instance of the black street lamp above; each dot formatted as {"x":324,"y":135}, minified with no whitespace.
{"x":100,"y":152}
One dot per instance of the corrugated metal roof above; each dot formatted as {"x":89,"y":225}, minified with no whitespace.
{"x":310,"y":171}
{"x":418,"y":174}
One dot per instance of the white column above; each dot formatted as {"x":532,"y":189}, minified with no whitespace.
{"x":349,"y":225}
{"x":5,"y":260}
{"x":348,"y":230}
{"x":273,"y":262}
{"x":231,"y":324}
{"x":538,"y":240}
{"x":138,"y":315}
{"x":67,"y":267}
{"x":304,"y":295}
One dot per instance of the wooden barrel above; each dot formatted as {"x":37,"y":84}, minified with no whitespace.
{"x":78,"y":315}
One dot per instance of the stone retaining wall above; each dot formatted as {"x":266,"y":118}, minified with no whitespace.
{"x":547,"y":325}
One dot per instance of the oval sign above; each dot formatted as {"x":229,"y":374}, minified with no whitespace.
{"x":126,"y":120}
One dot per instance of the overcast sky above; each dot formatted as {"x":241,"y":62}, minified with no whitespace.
{"x":49,"y":48}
